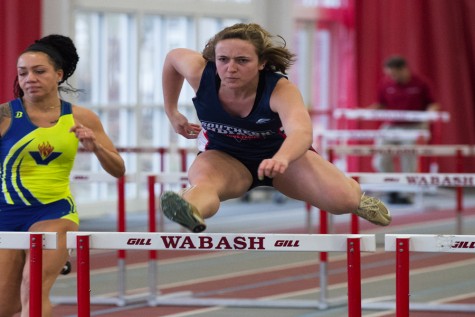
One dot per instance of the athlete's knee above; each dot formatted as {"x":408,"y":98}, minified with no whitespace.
{"x":204,"y":197}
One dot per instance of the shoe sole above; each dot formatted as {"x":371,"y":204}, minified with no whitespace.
{"x":179,"y":210}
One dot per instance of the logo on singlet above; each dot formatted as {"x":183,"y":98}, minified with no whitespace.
{"x":45,"y":154}
{"x":18,"y":114}
{"x":262,"y":121}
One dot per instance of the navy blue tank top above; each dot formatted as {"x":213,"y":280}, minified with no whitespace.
{"x":255,"y":137}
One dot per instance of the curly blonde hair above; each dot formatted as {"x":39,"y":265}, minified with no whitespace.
{"x":273,"y":52}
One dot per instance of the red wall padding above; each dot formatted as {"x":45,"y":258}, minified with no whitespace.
{"x":20,"y":25}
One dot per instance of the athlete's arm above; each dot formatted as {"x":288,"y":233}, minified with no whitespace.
{"x":287,"y":101}
{"x":181,"y":64}
{"x":91,"y":134}
{"x":5,"y":118}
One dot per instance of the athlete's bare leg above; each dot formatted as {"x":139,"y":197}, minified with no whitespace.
{"x":53,"y":262}
{"x":216,"y":177}
{"x":313,"y":179}
{"x":11,"y":266}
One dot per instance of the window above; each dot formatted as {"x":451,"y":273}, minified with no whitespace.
{"x":121,"y":58}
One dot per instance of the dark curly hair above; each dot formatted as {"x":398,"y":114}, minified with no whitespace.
{"x":274,"y":53}
{"x":395,"y":62}
{"x":63,"y":55}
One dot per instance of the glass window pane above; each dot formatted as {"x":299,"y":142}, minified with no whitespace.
{"x":117,"y":58}
{"x":86,"y":72}
{"x":179,"y":33}
{"x":151,"y":57}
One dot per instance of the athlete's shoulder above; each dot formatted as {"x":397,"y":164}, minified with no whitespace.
{"x":85,"y":116}
{"x":82,"y":113}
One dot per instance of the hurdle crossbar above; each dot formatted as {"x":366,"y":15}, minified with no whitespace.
{"x":358,"y":134}
{"x":36,"y":242}
{"x":421,"y":180}
{"x":422,"y":150}
{"x":352,"y":244}
{"x":219,"y":241}
{"x":21,"y":240}
{"x":399,"y":115}
{"x":418,"y":179}
{"x":121,"y":299}
{"x":403,"y":244}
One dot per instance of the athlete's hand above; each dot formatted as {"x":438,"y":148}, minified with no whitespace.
{"x":183,"y":127}
{"x":86,"y":136}
{"x":271,"y":167}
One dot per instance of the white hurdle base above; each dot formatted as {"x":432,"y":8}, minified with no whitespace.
{"x":435,"y":307}
{"x":120,"y":300}
{"x":187,"y":299}
{"x":258,"y":303}
{"x":97,"y":300}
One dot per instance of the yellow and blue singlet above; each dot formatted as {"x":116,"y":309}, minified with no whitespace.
{"x":36,"y":163}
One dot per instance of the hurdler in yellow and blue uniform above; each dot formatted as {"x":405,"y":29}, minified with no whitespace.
{"x":36,"y":164}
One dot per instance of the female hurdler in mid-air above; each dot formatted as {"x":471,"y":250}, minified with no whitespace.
{"x":255,"y":131}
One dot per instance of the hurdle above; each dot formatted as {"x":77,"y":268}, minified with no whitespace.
{"x":423,"y":180}
{"x":344,"y":115}
{"x":403,"y":244}
{"x":366,"y":135}
{"x":35,"y":242}
{"x":399,"y":115}
{"x":122,"y":298}
{"x":435,"y":117}
{"x":181,"y":179}
{"x":353,"y":245}
{"x":457,"y":151}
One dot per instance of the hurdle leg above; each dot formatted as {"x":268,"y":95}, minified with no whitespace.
{"x":121,"y":255}
{"x":354,"y":277}
{"x":355,"y":222}
{"x":323,"y":263}
{"x":36,"y":273}
{"x":83,"y":277}
{"x":459,"y":194}
{"x":308,"y":209}
{"x":402,"y":277}
{"x":152,"y":257}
